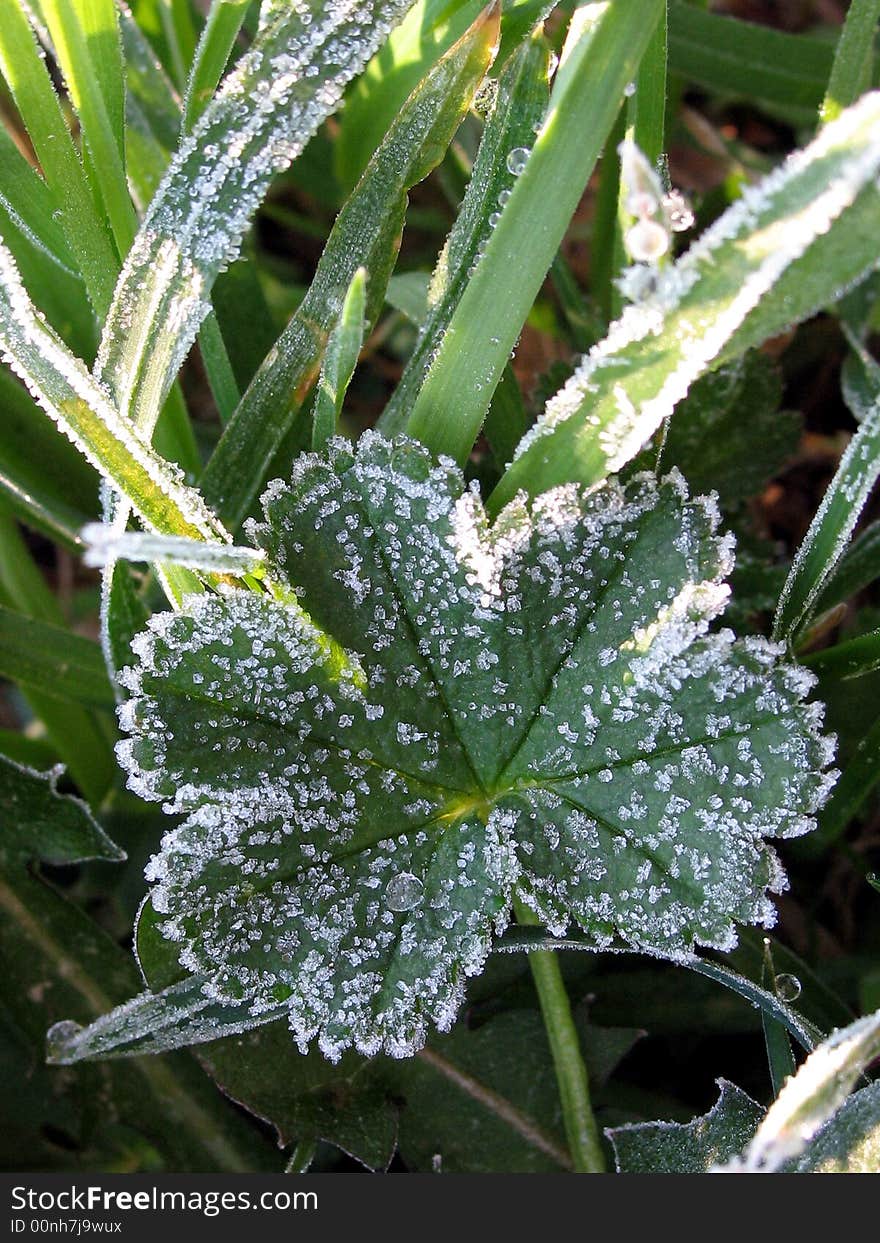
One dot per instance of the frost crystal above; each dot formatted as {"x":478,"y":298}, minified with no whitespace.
{"x":446,"y":715}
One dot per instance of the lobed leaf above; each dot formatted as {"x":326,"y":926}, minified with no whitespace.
{"x":463,"y":715}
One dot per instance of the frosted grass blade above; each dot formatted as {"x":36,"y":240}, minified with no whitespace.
{"x":152,"y":113}
{"x":602,"y":55}
{"x":787,"y":247}
{"x":60,"y":383}
{"x":87,"y":235}
{"x":853,"y":58}
{"x":858,"y":567}
{"x":269,"y":106}
{"x":831,"y":528}
{"x":521,"y":102}
{"x":366,"y":234}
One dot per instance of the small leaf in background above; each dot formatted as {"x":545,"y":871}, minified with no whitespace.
{"x":692,"y":1147}
{"x":340,"y":359}
{"x":623,"y":777}
{"x":729,"y":435}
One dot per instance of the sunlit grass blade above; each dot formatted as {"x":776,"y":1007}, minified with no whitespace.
{"x":366,"y":234}
{"x":85,"y":38}
{"x":853,"y":58}
{"x":53,"y":661}
{"x":152,"y":113}
{"x":832,"y":526}
{"x":217,"y":40}
{"x":88,"y":237}
{"x":60,"y":383}
{"x":429,"y":30}
{"x":789,"y":246}
{"x":340,"y":360}
{"x":601,"y":56}
{"x":520,"y":105}
{"x":269,"y":106}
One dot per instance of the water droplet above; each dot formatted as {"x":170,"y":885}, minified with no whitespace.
{"x":629,"y":90}
{"x":59,"y":1038}
{"x":504,"y":197}
{"x":517,"y":160}
{"x":403,"y":892}
{"x":494,"y":218}
{"x":788,"y":987}
{"x":646,"y":241}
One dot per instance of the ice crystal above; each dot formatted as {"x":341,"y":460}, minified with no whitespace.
{"x":445,"y":714}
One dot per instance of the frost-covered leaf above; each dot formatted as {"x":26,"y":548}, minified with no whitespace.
{"x":849,"y":1143}
{"x":448,"y":715}
{"x":692,"y":1147}
{"x":811,"y":1097}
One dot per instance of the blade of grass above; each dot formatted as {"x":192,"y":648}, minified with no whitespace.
{"x":729,"y":55}
{"x":831,"y":528}
{"x":215,"y":46}
{"x":60,"y":383}
{"x":366,"y":234}
{"x":853,"y":788}
{"x":786,"y":248}
{"x":340,"y":360}
{"x":853,"y":58}
{"x":519,"y":108}
{"x":85,"y":37}
{"x":852,"y":659}
{"x":269,"y":106}
{"x":53,"y":661}
{"x":88,"y":238}
{"x":858,"y":568}
{"x":601,"y":56}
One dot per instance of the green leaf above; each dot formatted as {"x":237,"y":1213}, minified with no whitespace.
{"x":53,"y":661}
{"x":729,"y":433}
{"x":786,"y":247}
{"x":358,"y":825}
{"x":600,"y":58}
{"x":688,"y":1148}
{"x":853,"y":58}
{"x":303,"y":1095}
{"x":849,"y":1143}
{"x":340,"y":360}
{"x":519,"y":107}
{"x":40,"y":822}
{"x":811,"y":1097}
{"x":289,"y":80}
{"x":366,"y":234}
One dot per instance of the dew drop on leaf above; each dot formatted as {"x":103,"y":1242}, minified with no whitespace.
{"x":403,"y":892}
{"x":517,"y":160}
{"x":788,"y":987}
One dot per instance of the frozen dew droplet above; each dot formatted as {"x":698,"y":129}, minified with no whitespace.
{"x":647,"y":241}
{"x":788,"y":987}
{"x":403,"y":892}
{"x":517,"y":160}
{"x":59,"y":1037}
{"x":678,"y":212}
